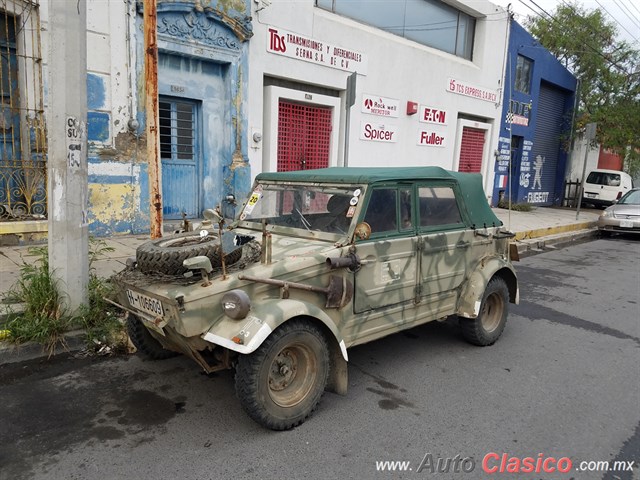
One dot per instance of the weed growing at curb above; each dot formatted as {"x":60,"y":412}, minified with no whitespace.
{"x":45,"y":319}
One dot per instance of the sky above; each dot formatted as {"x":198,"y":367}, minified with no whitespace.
{"x":624,"y":13}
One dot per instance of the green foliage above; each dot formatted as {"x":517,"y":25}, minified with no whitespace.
{"x":607,"y":69}
{"x":45,"y":318}
{"x":632,"y":163}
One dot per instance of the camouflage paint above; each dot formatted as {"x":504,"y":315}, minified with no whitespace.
{"x":419,"y":275}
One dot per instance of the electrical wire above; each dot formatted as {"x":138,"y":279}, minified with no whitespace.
{"x":616,"y":20}
{"x":586,"y":44}
{"x":624,"y":9}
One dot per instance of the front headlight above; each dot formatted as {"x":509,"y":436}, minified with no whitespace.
{"x":607,"y":213}
{"x":236,"y":304}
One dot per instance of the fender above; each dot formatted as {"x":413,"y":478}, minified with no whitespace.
{"x":246,"y":335}
{"x":473,"y":288}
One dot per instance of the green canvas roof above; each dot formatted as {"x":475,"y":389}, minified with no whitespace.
{"x":359,"y":175}
{"x":470,"y":184}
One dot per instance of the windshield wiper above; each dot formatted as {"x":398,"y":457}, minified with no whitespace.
{"x":305,"y":222}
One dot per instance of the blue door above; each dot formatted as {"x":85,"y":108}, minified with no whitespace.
{"x":179,"y":152}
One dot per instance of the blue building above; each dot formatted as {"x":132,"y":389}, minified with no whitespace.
{"x":539,"y":97}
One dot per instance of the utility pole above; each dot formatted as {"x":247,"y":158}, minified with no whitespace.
{"x":67,"y":150}
{"x":150,"y":23}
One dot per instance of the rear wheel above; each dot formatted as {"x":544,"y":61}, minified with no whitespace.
{"x":145,"y":342}
{"x":487,"y":327}
{"x":281,"y":383}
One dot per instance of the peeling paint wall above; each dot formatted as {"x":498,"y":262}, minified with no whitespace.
{"x":207,"y":57}
{"x":118,"y":187}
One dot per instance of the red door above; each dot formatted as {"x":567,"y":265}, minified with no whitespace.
{"x":304,"y":136}
{"x":471,"y":149}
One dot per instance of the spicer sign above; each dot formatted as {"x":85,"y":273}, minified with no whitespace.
{"x":378,"y":133}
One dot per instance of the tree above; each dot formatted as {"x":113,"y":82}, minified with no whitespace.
{"x":608,"y":71}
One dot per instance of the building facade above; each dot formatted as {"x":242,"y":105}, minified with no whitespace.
{"x":376,"y":84}
{"x":251,"y":86}
{"x":537,"y":114}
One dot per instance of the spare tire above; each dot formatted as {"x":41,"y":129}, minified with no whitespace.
{"x":165,"y":255}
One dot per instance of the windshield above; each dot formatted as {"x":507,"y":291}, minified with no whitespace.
{"x":314,"y":208}
{"x":631,"y":198}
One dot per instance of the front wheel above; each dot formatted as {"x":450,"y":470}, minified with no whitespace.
{"x":145,"y":342}
{"x":487,"y":327}
{"x":281,"y":383}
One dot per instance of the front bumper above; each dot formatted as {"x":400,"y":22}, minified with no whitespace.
{"x":618,"y":225}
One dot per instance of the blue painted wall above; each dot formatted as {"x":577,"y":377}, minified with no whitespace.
{"x":205,"y":59}
{"x":546,"y":68}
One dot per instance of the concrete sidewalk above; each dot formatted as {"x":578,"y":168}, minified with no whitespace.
{"x":534,"y":230}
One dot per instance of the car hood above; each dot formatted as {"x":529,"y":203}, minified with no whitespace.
{"x":289,"y":255}
{"x":621,"y":209}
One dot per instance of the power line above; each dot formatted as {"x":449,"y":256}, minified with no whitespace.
{"x":590,"y":47}
{"x":623,"y":8}
{"x":571,"y":7}
{"x":615,"y":20}
{"x":634,"y":18}
{"x":634,"y":6}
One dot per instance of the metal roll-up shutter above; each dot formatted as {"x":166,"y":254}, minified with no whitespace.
{"x":546,"y":145}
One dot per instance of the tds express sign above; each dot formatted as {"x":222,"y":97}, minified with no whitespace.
{"x":300,"y":47}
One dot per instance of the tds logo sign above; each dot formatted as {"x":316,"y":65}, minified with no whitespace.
{"x":276,"y":42}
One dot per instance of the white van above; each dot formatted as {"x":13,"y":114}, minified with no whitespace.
{"x":603,"y":187}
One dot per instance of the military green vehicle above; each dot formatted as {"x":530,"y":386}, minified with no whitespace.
{"x":316,"y":262}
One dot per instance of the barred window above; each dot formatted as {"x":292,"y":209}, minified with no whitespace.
{"x":23,"y":148}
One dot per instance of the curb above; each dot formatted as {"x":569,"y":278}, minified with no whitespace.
{"x":12,"y":353}
{"x":534,"y":246}
{"x":552,"y":231}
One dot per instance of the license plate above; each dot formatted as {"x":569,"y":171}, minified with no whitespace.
{"x":144,"y":303}
{"x":626,"y":223}
{"x":591,"y":195}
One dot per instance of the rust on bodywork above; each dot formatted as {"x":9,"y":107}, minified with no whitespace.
{"x":150,"y":23}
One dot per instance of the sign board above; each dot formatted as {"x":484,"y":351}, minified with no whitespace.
{"x":430,"y":138}
{"x":432,"y":115}
{"x":377,"y":132}
{"x":468,"y":90}
{"x":382,"y":106}
{"x":75,"y":139}
{"x":301,"y":47}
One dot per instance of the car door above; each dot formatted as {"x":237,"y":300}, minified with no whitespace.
{"x":389,"y":256}
{"x":444,"y":246}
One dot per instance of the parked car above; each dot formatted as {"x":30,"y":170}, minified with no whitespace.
{"x":319,"y":261}
{"x":622,"y":217}
{"x":603,"y":187}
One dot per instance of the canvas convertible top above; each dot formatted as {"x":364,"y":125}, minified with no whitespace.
{"x":470,"y":184}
